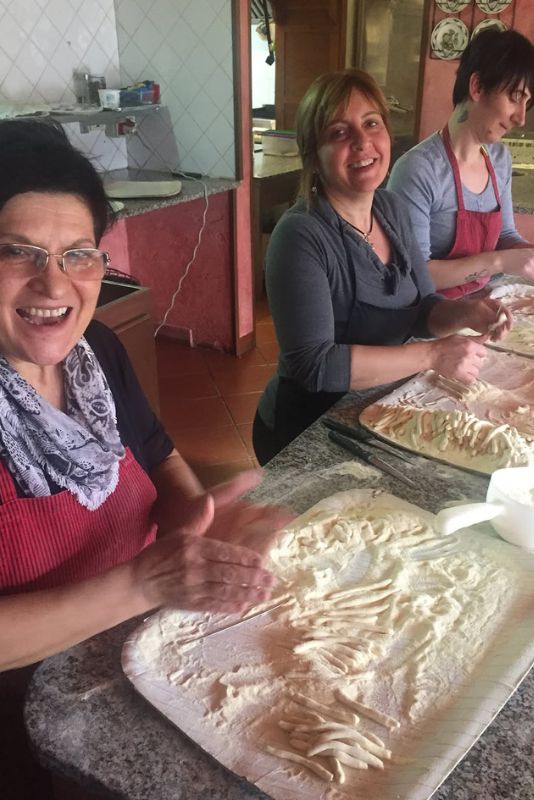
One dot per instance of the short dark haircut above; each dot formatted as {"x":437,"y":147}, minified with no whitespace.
{"x":36,"y":156}
{"x":502,"y":60}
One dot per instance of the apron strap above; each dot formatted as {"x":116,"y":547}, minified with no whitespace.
{"x":493,"y":177}
{"x":456,"y":170}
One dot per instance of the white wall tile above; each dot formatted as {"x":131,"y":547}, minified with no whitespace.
{"x":42,"y":42}
{"x":186,"y":47}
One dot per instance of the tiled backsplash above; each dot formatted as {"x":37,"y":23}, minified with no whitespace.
{"x":184,"y":45}
{"x":42,"y":42}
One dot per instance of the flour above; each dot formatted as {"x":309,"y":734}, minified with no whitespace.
{"x":485,"y":426}
{"x":379,"y":623}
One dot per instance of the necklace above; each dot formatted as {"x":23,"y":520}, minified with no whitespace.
{"x":365,"y":235}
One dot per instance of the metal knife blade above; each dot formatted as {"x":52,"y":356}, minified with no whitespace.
{"x":376,"y":461}
{"x":363,"y":435}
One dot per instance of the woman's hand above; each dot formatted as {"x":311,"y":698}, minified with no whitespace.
{"x":218,"y":569}
{"x":487,"y":316}
{"x":458,"y":357}
{"x":518,"y":261}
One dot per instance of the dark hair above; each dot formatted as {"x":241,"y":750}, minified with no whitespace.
{"x":502,"y":60}
{"x":318,"y":108}
{"x":36,"y":156}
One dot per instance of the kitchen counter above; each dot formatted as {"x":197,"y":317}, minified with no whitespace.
{"x":192,"y":189}
{"x":87,"y":723}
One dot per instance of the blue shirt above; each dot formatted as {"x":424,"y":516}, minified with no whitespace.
{"x":424,"y":179}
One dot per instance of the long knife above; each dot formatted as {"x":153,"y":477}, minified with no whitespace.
{"x":376,"y":461}
{"x":363,"y":435}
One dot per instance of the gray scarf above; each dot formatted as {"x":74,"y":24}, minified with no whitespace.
{"x":78,"y":450}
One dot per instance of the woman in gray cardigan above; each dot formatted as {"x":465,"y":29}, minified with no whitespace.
{"x":346,"y":282}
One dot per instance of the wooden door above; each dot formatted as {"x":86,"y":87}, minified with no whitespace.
{"x":310,"y":40}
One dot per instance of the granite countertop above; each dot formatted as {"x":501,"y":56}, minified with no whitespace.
{"x":192,"y":189}
{"x":86,"y":721}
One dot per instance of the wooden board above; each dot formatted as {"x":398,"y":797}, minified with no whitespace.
{"x":193,"y":667}
{"x":503,"y":395}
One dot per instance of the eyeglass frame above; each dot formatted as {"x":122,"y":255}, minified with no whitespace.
{"x":60,"y":257}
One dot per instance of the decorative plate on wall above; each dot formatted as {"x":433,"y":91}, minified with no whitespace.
{"x":452,"y":6}
{"x":449,"y":38}
{"x":489,"y":23}
{"x":492,"y":6}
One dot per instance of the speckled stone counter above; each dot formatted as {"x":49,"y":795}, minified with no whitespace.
{"x":87,"y":722}
{"x":192,"y":189}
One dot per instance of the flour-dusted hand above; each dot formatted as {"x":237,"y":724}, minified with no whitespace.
{"x":488,"y":316}
{"x":459,"y":357}
{"x":252,"y":526}
{"x":201,"y":574}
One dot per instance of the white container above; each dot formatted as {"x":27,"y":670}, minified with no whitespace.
{"x":509,"y":506}
{"x":109,"y":98}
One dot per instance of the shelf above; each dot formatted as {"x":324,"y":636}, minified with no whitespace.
{"x":102,"y":117}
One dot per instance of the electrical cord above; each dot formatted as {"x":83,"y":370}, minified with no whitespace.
{"x":199,"y":238}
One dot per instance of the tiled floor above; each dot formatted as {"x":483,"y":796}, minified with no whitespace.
{"x":208,"y":400}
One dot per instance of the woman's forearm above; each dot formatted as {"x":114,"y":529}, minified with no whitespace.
{"x":177,"y":486}
{"x":35,"y":625}
{"x":516,"y":260}
{"x":373,"y":366}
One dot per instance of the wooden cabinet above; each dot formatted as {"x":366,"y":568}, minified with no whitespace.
{"x":310,"y":40}
{"x":126,"y":310}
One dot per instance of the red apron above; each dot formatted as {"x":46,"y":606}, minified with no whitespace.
{"x":51,"y":541}
{"x":476,"y":231}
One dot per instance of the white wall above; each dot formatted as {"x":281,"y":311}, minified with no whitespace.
{"x":42,"y":42}
{"x":186,"y":47}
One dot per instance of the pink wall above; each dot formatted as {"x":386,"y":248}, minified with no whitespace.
{"x":438,"y":75}
{"x":157,"y":246}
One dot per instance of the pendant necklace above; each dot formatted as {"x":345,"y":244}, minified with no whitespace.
{"x":365,"y":236}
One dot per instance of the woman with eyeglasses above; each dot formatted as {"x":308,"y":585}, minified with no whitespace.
{"x":457,"y":183}
{"x":100,"y":518}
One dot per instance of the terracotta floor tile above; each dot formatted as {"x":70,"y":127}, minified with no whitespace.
{"x":242,"y":407}
{"x":212,"y":474}
{"x":265,"y":333}
{"x":201,"y":446}
{"x":172,"y":387}
{"x":251,"y":379}
{"x":200,"y":412}
{"x":224,"y":362}
{"x":176,"y":358}
{"x":245,"y":431}
{"x":269,"y":351}
{"x":262,"y":312}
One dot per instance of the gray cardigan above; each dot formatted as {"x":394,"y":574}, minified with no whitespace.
{"x":317,"y":268}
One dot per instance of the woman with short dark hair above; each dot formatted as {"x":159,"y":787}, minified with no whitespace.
{"x":457,"y":182}
{"x":88,"y":475}
{"x":346,"y":282}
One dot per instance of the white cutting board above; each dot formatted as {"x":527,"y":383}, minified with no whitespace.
{"x":186,"y":685}
{"x":130,"y":190}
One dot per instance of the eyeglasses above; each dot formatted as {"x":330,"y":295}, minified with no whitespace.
{"x":26,"y":261}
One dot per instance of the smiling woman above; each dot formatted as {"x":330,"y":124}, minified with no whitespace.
{"x":346,"y":281}
{"x":88,"y":476}
{"x":457,"y":182}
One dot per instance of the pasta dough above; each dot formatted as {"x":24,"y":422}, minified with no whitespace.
{"x":377,"y":625}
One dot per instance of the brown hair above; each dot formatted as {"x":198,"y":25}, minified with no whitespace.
{"x":318,"y":108}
